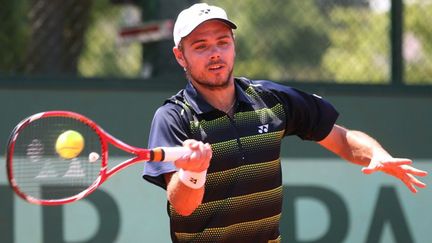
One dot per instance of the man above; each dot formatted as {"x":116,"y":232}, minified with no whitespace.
{"x":229,"y":189}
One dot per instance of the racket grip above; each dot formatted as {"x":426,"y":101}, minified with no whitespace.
{"x":169,"y":153}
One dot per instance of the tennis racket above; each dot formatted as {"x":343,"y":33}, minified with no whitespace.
{"x":39,"y":174}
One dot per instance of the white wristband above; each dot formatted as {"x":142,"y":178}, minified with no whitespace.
{"x":192,"y":179}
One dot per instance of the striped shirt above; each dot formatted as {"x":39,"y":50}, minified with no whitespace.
{"x":243,"y":190}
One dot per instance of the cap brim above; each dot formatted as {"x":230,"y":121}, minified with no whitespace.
{"x":225,"y":21}
{"x":229,"y":23}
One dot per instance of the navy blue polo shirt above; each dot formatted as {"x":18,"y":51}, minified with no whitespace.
{"x":243,"y":190}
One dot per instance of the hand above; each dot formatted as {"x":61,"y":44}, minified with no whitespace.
{"x":399,"y":168}
{"x":198,"y":160}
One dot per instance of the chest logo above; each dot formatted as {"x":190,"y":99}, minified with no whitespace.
{"x":263,"y":128}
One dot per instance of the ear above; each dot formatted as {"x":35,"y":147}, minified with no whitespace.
{"x":179,"y":56}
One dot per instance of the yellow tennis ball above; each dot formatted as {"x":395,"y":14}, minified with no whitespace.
{"x":69,"y":144}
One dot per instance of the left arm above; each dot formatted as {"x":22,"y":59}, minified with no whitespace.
{"x":359,"y":148}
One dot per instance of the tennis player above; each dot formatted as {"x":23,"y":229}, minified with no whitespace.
{"x":230,"y":188}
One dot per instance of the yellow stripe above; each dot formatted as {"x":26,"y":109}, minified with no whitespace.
{"x":245,"y":228}
{"x":233,"y":204}
{"x":248,"y":172}
{"x":241,"y":117}
{"x":259,"y":141}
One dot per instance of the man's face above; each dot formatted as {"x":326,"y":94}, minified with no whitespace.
{"x":208,"y":54}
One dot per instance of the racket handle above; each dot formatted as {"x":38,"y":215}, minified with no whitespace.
{"x":169,"y":153}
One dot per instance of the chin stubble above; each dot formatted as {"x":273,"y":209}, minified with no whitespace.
{"x":206,"y":84}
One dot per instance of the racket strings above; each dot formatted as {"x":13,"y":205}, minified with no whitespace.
{"x":40,"y":172}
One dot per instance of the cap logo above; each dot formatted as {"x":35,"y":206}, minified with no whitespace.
{"x":192,"y":17}
{"x":204,"y":11}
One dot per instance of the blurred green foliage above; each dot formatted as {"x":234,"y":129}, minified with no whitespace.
{"x":14,"y":33}
{"x":104,"y":55}
{"x":360,"y":46}
{"x":278,"y":40}
{"x":418,"y":43}
{"x":284,"y":41}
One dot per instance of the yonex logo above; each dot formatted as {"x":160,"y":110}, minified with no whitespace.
{"x":193,"y":180}
{"x":204,"y":11}
{"x":263,"y":128}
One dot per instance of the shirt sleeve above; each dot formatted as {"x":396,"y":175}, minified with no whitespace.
{"x":307,"y":115}
{"x":167,"y":130}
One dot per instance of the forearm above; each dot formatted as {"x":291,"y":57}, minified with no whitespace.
{"x":183,"y":198}
{"x":359,"y":148}
{"x":362,"y":148}
{"x":185,"y":188}
{"x":354,"y":146}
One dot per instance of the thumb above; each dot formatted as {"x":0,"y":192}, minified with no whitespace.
{"x":182,"y":162}
{"x":371,"y":168}
{"x":368,"y":170}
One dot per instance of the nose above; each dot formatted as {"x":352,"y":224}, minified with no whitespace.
{"x":215,"y":53}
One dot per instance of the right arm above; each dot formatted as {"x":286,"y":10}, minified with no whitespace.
{"x":183,"y":198}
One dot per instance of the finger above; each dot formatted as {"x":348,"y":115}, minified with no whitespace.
{"x":188,"y":163}
{"x":204,"y":155}
{"x":199,"y":151}
{"x":409,"y":185}
{"x":412,"y":189}
{"x":373,"y":166}
{"x":416,"y":181}
{"x":367,"y":170}
{"x":190,"y":143}
{"x":415,"y":171}
{"x":195,"y":156}
{"x":201,"y":147}
{"x":195,"y":145}
{"x":209,"y":151}
{"x":397,"y":162}
{"x":187,"y":142}
{"x":182,"y":162}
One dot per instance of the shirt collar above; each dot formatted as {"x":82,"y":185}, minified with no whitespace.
{"x":200,"y":105}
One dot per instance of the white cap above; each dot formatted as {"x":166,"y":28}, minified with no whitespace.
{"x":195,"y":15}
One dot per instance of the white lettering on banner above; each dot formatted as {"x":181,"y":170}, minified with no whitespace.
{"x":319,"y":197}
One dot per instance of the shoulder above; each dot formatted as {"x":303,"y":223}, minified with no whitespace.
{"x":173,"y":105}
{"x":175,"y":112}
{"x":263,"y":85}
{"x":168,"y":110}
{"x":168,"y":115}
{"x":271,"y":88}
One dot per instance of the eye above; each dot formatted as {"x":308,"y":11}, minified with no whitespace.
{"x":223,"y":43}
{"x":200,"y":47}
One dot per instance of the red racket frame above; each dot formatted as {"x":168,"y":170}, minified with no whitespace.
{"x":141,"y":155}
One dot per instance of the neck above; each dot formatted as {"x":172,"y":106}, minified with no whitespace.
{"x":221,"y":99}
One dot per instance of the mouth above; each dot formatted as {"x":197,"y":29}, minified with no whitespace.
{"x":216,"y":66}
